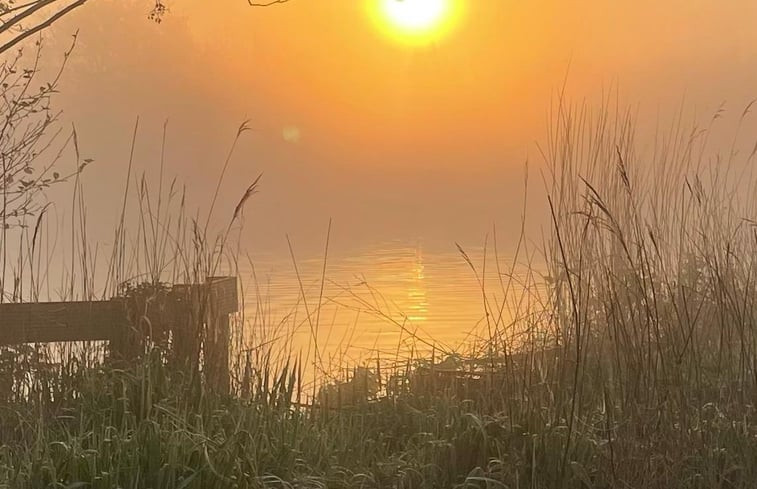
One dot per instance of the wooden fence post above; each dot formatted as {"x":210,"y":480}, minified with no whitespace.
{"x":222,"y":301}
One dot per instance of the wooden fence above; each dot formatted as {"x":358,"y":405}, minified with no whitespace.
{"x":194,"y":316}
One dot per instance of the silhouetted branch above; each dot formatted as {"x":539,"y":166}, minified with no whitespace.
{"x":265,"y":4}
{"x":12,"y":15}
{"x":39,"y":27}
{"x":29,"y":9}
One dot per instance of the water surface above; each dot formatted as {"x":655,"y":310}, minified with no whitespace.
{"x":387,"y":300}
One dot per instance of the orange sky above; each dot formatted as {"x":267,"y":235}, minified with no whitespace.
{"x":394,"y":140}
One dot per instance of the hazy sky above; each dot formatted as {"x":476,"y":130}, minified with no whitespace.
{"x":391,"y":140}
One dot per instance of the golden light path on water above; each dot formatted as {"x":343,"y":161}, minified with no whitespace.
{"x":385,"y":302}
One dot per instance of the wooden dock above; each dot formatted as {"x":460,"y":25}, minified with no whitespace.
{"x":195,"y":316}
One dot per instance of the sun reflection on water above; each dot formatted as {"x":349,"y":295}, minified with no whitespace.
{"x":381,"y":301}
{"x":416,"y":290}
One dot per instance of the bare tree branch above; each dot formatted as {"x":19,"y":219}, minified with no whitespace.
{"x":42,"y":25}
{"x":265,"y":4}
{"x":12,"y":15}
{"x":30,"y":10}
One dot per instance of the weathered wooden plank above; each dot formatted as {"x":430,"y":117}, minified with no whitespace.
{"x":218,"y":292}
{"x":44,"y":322}
{"x":99,"y":320}
{"x":223,"y":294}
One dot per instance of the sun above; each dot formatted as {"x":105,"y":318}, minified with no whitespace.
{"x":415,"y":15}
{"x":416,"y":21}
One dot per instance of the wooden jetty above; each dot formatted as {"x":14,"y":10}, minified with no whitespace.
{"x":194,"y":316}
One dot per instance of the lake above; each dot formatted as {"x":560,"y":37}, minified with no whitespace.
{"x":391,"y":300}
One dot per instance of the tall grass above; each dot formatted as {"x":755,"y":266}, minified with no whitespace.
{"x":631,"y":363}
{"x":652,"y":262}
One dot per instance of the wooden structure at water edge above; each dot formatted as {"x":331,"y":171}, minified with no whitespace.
{"x":189,"y":321}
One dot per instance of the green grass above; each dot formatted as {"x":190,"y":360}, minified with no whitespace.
{"x":140,"y":429}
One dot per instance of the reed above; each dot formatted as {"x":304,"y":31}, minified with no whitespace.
{"x":631,"y":363}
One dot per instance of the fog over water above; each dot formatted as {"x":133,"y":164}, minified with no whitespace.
{"x":392,"y":143}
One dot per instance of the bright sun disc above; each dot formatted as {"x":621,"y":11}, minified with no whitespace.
{"x":415,"y":20}
{"x":415,"y":15}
